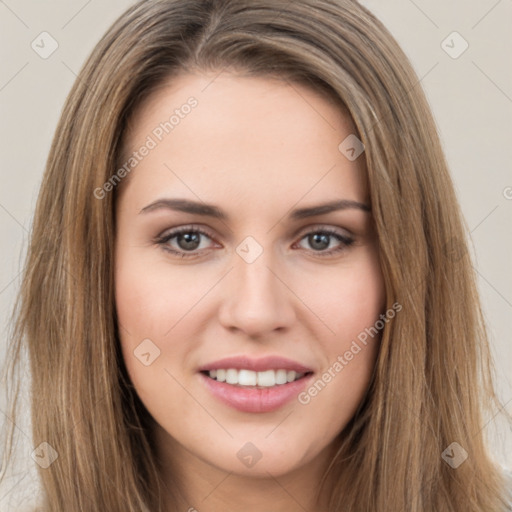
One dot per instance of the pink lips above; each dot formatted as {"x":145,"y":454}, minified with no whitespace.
{"x":255,"y":400}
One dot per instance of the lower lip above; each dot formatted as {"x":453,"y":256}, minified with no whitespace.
{"x":255,"y":400}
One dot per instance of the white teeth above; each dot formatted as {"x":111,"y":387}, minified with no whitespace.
{"x":268,"y":378}
{"x":281,"y":377}
{"x":231,"y":376}
{"x":247,"y":378}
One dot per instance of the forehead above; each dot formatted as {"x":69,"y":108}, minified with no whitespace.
{"x":252,"y":139}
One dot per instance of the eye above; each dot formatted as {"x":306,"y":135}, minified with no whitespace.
{"x":321,"y":239}
{"x":185,"y":240}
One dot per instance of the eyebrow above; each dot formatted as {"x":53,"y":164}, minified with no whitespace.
{"x":210,"y":210}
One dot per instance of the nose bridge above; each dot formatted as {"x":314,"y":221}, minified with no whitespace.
{"x":258,"y":300}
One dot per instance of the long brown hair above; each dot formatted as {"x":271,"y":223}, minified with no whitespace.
{"x":432,"y":378}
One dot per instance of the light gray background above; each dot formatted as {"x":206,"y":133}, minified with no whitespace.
{"x":471,"y":97}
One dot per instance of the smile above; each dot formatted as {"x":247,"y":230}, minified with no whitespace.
{"x":250,"y":378}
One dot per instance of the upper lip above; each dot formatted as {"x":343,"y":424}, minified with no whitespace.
{"x":256,"y":365}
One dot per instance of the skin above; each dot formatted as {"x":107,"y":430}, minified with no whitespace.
{"x":256,"y":148}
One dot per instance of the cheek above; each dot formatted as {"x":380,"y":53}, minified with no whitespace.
{"x":347,"y":299}
{"x":350,"y":305}
{"x":147,"y":309}
{"x":151,"y":298}
{"x":148,"y":306}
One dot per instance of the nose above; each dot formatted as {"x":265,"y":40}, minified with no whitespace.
{"x":257,"y":299}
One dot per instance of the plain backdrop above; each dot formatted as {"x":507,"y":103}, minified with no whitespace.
{"x":460,"y":51}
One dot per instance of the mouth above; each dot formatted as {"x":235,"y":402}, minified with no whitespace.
{"x":255,"y":385}
{"x":250,"y":379}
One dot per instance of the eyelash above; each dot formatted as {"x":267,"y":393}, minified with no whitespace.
{"x":162,"y":240}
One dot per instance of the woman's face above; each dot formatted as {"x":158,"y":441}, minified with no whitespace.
{"x":225,"y":250}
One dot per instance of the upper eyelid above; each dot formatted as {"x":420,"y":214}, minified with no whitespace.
{"x":172,"y":232}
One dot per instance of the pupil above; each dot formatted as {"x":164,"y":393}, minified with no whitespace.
{"x":319,"y":240}
{"x":191,"y":240}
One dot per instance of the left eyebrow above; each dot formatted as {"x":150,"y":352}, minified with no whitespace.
{"x":210,"y":210}
{"x":322,"y":209}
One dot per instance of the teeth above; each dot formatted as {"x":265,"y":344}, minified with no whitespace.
{"x":267,"y":378}
{"x":281,"y":377}
{"x":246,"y":378}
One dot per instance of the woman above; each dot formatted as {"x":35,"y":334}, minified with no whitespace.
{"x":248,"y":285}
